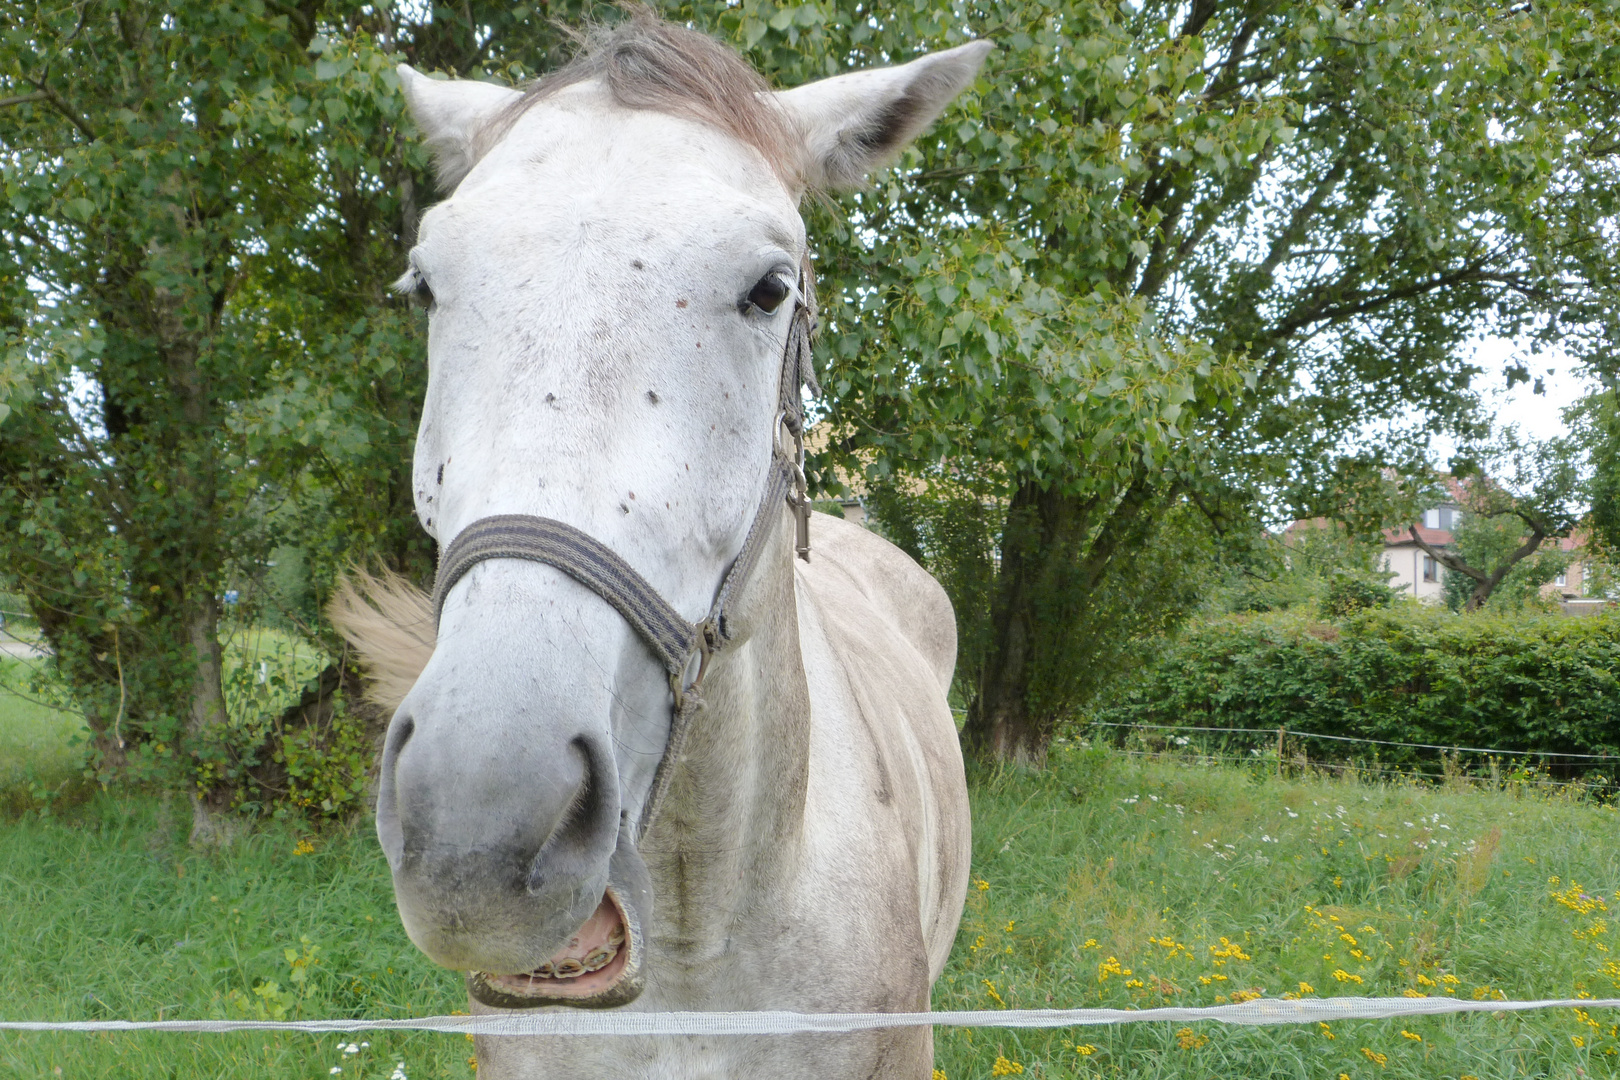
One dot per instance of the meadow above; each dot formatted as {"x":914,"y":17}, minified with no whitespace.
{"x":1106,"y":880}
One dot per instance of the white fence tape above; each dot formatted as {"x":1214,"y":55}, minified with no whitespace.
{"x":577,"y":1022}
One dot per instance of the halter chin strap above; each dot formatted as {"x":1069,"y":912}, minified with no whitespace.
{"x":676,"y":642}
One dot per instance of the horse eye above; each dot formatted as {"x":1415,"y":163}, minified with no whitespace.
{"x":768,"y":293}
{"x":421,"y":295}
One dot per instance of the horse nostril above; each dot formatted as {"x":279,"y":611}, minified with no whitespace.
{"x":580,"y":831}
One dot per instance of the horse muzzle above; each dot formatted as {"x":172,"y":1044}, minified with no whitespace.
{"x":602,"y":963}
{"x":511,"y":856}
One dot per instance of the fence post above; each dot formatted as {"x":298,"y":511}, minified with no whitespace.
{"x":1281,"y":732}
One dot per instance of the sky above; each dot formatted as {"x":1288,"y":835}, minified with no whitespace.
{"x":1537,"y":416}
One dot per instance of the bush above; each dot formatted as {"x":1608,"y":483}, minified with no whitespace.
{"x":1405,"y":674}
{"x":1347,"y":595}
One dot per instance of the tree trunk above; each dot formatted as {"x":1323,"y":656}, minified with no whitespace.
{"x":1039,"y":548}
{"x":211,"y":822}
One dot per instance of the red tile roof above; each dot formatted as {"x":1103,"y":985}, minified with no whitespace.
{"x":1403,"y":535}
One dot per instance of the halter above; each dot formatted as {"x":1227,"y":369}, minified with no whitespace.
{"x":593,"y":564}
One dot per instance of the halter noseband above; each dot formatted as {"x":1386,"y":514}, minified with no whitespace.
{"x":596,"y":566}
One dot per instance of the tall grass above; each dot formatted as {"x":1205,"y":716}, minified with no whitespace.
{"x":40,"y":742}
{"x":1111,"y":881}
{"x":1106,"y":880}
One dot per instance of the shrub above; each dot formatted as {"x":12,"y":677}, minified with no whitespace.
{"x":1405,"y":674}
{"x":1347,"y":595}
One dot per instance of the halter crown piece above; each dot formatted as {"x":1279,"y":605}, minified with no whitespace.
{"x":593,"y":564}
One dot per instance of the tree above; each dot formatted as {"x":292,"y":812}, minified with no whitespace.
{"x":1188,"y":251}
{"x":204,"y":203}
{"x":1517,"y":497}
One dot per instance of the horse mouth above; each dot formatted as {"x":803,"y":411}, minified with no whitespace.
{"x":595,"y":968}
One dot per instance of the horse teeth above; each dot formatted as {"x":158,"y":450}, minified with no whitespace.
{"x":569,"y":968}
{"x":544,"y":971}
{"x":598,"y":958}
{"x":616,"y":938}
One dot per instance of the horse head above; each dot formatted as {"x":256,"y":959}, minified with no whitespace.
{"x":611,"y":281}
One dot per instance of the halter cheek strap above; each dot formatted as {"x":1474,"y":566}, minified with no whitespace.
{"x":673,"y":640}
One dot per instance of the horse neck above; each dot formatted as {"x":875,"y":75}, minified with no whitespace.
{"x":729,"y":830}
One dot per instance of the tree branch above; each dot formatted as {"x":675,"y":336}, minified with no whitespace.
{"x":65,"y":109}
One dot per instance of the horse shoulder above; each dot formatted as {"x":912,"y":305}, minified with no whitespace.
{"x":891,"y":584}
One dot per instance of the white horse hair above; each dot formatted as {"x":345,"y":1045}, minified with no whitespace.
{"x":606,"y":281}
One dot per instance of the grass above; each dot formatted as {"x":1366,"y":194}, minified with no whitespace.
{"x":1106,"y":880}
{"x":1111,"y":881}
{"x":39,"y":745}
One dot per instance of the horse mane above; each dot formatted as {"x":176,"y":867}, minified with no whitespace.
{"x":645,"y":62}
{"x":389,"y":624}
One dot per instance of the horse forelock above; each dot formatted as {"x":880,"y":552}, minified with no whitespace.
{"x":647,"y":63}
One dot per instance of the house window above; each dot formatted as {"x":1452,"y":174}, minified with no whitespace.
{"x":1431,"y":569}
{"x":1562,"y":578}
{"x":1431,"y":519}
{"x":1448,"y":518}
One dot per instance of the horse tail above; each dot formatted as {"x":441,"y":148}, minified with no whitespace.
{"x":389,"y":623}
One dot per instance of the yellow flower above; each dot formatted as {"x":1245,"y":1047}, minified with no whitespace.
{"x":939,"y":1074}
{"x":1577,"y":1040}
{"x":1424,"y":980}
{"x":1344,"y":976}
{"x":1110,"y":967}
{"x":1327,"y":1032}
{"x":983,"y":885}
{"x":990,"y":988}
{"x":1306,"y":988}
{"x":1450,"y":980}
{"x":1135,"y":984}
{"x":1085,"y":1051}
{"x":1010,"y":926}
{"x":1091,"y":943}
{"x":1410,"y":1035}
{"x":1003,"y":1067}
{"x":304,"y":847}
{"x":1240,"y":996}
{"x":1188,"y":1039}
{"x":1378,"y":1059}
{"x":1409,"y":992}
{"x":1578,"y":901}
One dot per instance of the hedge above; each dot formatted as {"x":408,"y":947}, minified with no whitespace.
{"x":1408,"y":674}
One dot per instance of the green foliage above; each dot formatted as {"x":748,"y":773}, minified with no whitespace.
{"x":1167,"y":251}
{"x":1404,"y":674}
{"x":1160,"y":253}
{"x":1520,"y":499}
{"x":1490,"y":542}
{"x":203,"y":367}
{"x":1318,"y":564}
{"x":1347,"y":595}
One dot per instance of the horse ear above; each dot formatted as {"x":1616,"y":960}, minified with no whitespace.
{"x":451,"y":113}
{"x":852,"y":124}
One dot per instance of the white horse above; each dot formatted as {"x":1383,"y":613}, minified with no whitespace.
{"x":613,"y":281}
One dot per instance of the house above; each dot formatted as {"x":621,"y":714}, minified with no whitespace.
{"x":1419,"y":574}
{"x":1416,"y":570}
